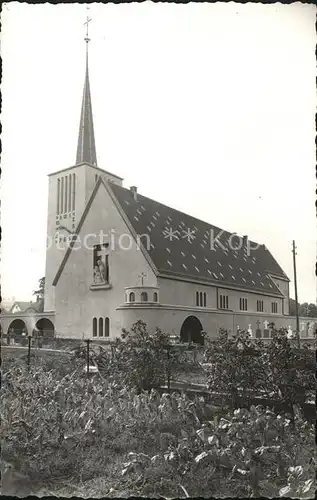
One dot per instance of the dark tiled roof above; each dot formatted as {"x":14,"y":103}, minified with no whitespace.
{"x":24,"y":306}
{"x":181,"y":246}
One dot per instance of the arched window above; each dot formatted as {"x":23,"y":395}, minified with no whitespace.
{"x":100,"y":327}
{"x":155,"y":297}
{"x":132,"y":297}
{"x":107,"y":327}
{"x":94,"y":327}
{"x":144,"y":297}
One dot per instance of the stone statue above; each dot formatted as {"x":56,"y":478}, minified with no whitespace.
{"x":97,"y":276}
{"x":102,"y":270}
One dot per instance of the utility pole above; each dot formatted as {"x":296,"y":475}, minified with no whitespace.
{"x":296,"y":298}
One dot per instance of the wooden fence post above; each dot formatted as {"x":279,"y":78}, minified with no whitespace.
{"x":88,"y":342}
{"x":29,"y":351}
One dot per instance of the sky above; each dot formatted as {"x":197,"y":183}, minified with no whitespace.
{"x":207,"y":108}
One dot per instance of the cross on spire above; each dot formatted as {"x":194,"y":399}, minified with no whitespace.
{"x":86,"y":148}
{"x":142,"y":276}
{"x":87,"y":39}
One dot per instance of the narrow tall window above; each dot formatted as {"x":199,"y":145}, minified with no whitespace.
{"x":259,"y":305}
{"x":69,"y":192}
{"x":66,"y":193}
{"x":144,"y":297}
{"x":107,"y":329}
{"x":197,"y":298}
{"x":205,"y":299}
{"x":223,"y":302}
{"x":155,"y":297}
{"x":274,"y":307}
{"x":58,"y":194}
{"x":132,"y":297}
{"x":74,"y":191}
{"x":243,"y":304}
{"x":94,"y":327}
{"x":200,"y":299}
{"x":62,"y":195}
{"x":100,"y":327}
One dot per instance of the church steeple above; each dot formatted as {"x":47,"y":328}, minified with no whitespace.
{"x":86,"y":148}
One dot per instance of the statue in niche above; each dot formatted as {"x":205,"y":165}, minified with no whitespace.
{"x":97,"y":276}
{"x":102,"y":270}
{"x":101,"y":264}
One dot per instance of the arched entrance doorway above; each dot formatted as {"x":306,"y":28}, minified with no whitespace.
{"x":44,"y":328}
{"x":17,"y":332}
{"x":191,"y":330}
{"x":17,"y":327}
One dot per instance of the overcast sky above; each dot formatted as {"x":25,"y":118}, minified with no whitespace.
{"x":208,"y":108}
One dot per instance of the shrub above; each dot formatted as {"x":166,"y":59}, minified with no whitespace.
{"x":242,"y":367}
{"x":138,"y":360}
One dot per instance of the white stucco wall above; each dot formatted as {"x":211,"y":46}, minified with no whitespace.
{"x":85,"y":183}
{"x":76,"y":303}
{"x":174,"y":292}
{"x":170,"y":320}
{"x":234,"y":301}
{"x":283,"y":285}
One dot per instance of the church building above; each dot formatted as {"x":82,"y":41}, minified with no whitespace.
{"x":115,"y":256}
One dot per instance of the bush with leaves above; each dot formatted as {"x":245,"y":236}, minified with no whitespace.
{"x":241,"y":367}
{"x":234,"y":368}
{"x":290,"y":370}
{"x":138,"y":360}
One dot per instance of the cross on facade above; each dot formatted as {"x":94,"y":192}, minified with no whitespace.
{"x":266,"y":324}
{"x":258,"y":324}
{"x":142,"y":276}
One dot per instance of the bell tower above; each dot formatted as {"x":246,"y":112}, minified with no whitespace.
{"x":70,"y":189}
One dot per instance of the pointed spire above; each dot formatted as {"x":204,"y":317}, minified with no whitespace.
{"x":86,"y":149}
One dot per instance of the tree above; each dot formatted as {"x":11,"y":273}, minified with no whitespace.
{"x":40,"y":294}
{"x":305,"y":309}
{"x":309,"y":310}
{"x":292,"y":307}
{"x":40,"y":291}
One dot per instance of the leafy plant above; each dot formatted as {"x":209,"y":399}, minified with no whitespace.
{"x":138,"y":360}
